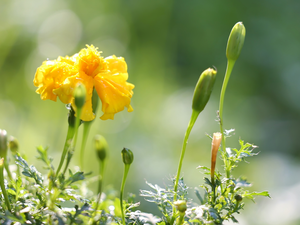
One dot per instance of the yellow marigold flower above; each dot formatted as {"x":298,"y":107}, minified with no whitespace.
{"x":58,"y":78}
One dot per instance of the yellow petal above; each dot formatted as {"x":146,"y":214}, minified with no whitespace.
{"x":50,"y":75}
{"x":114,"y":92}
{"x":89,"y":61}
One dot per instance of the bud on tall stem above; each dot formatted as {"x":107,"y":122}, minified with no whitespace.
{"x":127,"y":157}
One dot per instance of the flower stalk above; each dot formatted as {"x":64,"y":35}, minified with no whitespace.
{"x":79,"y":98}
{"x":127,"y":157}
{"x":101,"y":147}
{"x":201,"y":96}
{"x":86,"y":128}
{"x":234,"y":46}
{"x":69,"y":138}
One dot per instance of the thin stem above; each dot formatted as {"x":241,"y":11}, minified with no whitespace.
{"x":193,"y":119}
{"x":86,"y":130}
{"x":230,"y":64}
{"x":3,"y":188}
{"x":72,"y":147}
{"x":101,"y":173}
{"x":69,"y":138}
{"x":186,"y":137}
{"x":126,"y":169}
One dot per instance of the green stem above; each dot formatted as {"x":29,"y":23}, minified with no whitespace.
{"x":3,"y":189}
{"x":72,"y":147}
{"x":86,"y":130}
{"x":230,"y":64}
{"x":101,"y":173}
{"x":186,"y":137}
{"x":193,"y":119}
{"x":69,"y":138}
{"x":122,"y":191}
{"x":181,"y":218}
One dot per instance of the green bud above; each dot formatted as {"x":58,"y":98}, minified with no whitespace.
{"x":203,"y":89}
{"x":127,"y":156}
{"x":235,"y":41}
{"x":13,"y":144}
{"x":238,"y":198}
{"x":101,"y":147}
{"x":3,"y":143}
{"x":79,"y":95}
{"x":1,"y":162}
{"x":180,"y":205}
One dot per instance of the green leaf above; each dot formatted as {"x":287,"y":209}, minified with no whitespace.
{"x":251,"y":195}
{"x":12,"y":192}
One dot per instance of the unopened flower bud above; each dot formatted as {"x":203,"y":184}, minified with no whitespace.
{"x":215,"y":144}
{"x":180,"y":205}
{"x":13,"y":144}
{"x":101,"y":147}
{"x":238,"y":198}
{"x":3,"y":143}
{"x":235,"y":41}
{"x":203,"y":89}
{"x":79,"y":95}
{"x":127,"y":156}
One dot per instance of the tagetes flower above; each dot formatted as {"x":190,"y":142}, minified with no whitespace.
{"x":58,"y":78}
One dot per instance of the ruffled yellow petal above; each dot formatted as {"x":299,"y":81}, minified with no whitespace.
{"x":89,"y":61}
{"x":50,"y":75}
{"x":112,"y":88}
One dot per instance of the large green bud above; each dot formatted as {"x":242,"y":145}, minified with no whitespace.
{"x":235,"y":41}
{"x":203,"y":89}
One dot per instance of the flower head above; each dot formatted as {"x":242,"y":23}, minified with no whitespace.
{"x":59,"y":78}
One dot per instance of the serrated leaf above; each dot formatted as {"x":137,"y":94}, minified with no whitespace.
{"x":12,"y":192}
{"x":207,"y":181}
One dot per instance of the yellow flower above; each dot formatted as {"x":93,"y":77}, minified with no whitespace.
{"x":58,"y":78}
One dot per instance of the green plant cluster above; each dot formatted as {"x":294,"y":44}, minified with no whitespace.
{"x":62,"y":197}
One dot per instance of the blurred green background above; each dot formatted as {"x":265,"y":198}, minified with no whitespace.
{"x":166,"y":44}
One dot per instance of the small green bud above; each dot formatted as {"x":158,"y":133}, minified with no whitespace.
{"x":13,"y":144}
{"x":1,"y":162}
{"x":79,"y":95}
{"x":101,"y":147}
{"x":235,"y":41}
{"x":238,"y":198}
{"x":203,"y":89}
{"x":3,"y":143}
{"x":180,"y":205}
{"x":127,"y":156}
